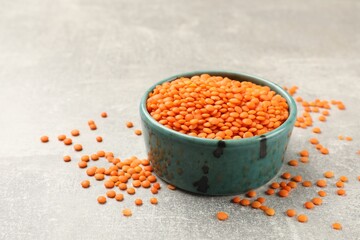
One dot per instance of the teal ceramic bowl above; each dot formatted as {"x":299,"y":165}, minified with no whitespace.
{"x":216,"y":167}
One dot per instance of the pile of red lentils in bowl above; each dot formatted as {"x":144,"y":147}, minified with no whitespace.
{"x":215,"y":113}
{"x":217,"y":107}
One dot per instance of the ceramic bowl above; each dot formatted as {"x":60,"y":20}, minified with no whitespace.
{"x":216,"y":167}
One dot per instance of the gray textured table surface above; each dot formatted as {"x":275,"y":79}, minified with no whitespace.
{"x":64,"y":62}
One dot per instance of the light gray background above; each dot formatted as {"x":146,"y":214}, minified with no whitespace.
{"x":64,"y":62}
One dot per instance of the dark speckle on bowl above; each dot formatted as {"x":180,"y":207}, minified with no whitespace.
{"x":202,"y":184}
{"x":220,"y":149}
{"x":205,"y":169}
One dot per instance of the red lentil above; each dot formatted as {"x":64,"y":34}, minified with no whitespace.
{"x":286,"y":175}
{"x":292,"y":184}
{"x":122,"y":186}
{"x":255,"y":204}
{"x":82,"y":164}
{"x":324,"y":150}
{"x":283,"y":193}
{"x":343,"y":179}
{"x":44,"y":139}
{"x":245,"y":202}
{"x":291,"y":212}
{"x":216,"y":101}
{"x":93,"y":126}
{"x":99,"y":176}
{"x":85,"y":183}
{"x":316,"y":201}
{"x":341,"y":192}
{"x":251,"y":194}
{"x":222,"y":216}
{"x":67,"y":141}
{"x":127,"y":212}
{"x":145,"y":184}
{"x":322,"y":118}
{"x":101,"y":199}
{"x":154,"y":190}
{"x":270,"y":192}
{"x":111,"y":194}
{"x":329,"y":174}
{"x":78,"y":147}
{"x":263,"y":207}
{"x":153,"y":201}
{"x":75,"y":132}
{"x":316,"y":130}
{"x":314,"y":141}
{"x":275,"y":185}
{"x":336,"y":226}
{"x":322,"y":193}
{"x":119,"y":197}
{"x":91,"y":171}
{"x":318,"y":146}
{"x":130,"y":191}
{"x":307,"y":184}
{"x":171,"y":187}
{"x":94,"y":157}
{"x":286,"y":188}
{"x":270,"y":212}
{"x":293,"y":163}
{"x":321,"y":183}
{"x":61,"y":137}
{"x":109,"y":184}
{"x":67,"y":158}
{"x":129,"y":124}
{"x":302,"y":218}
{"x":138,"y":202}
{"x":297,"y":178}
{"x":304,"y":153}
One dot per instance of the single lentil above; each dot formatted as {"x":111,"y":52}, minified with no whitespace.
{"x":222,"y":216}
{"x":291,"y":212}
{"x":101,"y":199}
{"x":126,"y":212}
{"x":67,"y":158}
{"x":302,"y":218}
{"x":78,"y":147}
{"x":270,"y":212}
{"x":75,"y":132}
{"x":153,"y":201}
{"x":336,"y":226}
{"x":44,"y":139}
{"x":61,"y":137}
{"x":85,"y":183}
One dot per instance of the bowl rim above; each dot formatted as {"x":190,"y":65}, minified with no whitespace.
{"x":229,"y":142}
